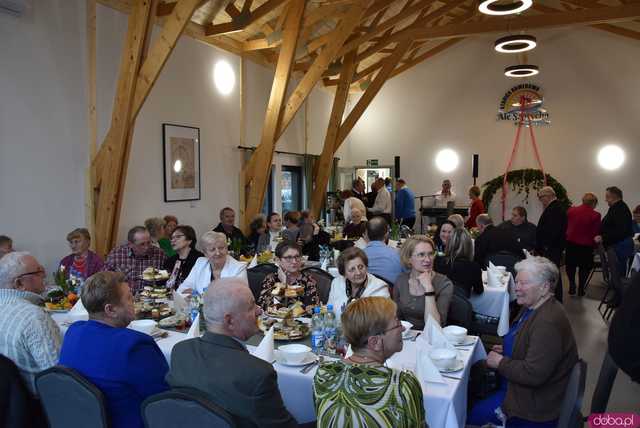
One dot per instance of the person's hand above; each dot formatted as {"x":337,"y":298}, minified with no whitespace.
{"x":425,"y":280}
{"x":598,"y":239}
{"x":493,"y":360}
{"x":187,"y":291}
{"x":498,"y":349}
{"x":316,"y":229}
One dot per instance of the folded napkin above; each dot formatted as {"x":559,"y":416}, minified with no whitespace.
{"x":434,"y":336}
{"x":426,"y":371}
{"x":492,"y":266}
{"x":194,"y":330}
{"x":527,"y":254}
{"x":264,"y":350}
{"x":348,"y":352}
{"x":324,"y":264}
{"x":78,"y":309}
{"x":254,"y":262}
{"x":179,"y":303}
{"x":393,"y":243}
{"x":361,"y":243}
{"x":494,"y":278}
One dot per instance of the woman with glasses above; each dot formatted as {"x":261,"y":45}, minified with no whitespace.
{"x":216,"y":264}
{"x":359,"y":391}
{"x":421,"y":292}
{"x":183,"y":242}
{"x":354,"y":281}
{"x":289,"y":261}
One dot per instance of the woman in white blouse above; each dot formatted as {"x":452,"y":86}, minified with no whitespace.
{"x":354,"y":281}
{"x":216,"y":264}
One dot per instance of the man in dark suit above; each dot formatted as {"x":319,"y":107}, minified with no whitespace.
{"x":493,"y":240}
{"x":219,"y":365}
{"x":551,"y":232}
{"x":521,"y":229}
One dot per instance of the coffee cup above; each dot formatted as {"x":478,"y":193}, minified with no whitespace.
{"x":443,"y":358}
{"x":455,"y":334}
{"x":143,"y":326}
{"x":295,"y":353}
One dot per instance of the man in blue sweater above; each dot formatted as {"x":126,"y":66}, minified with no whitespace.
{"x":126,"y":365}
{"x":405,"y":204}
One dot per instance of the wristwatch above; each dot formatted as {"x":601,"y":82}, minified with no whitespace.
{"x":429,"y":293}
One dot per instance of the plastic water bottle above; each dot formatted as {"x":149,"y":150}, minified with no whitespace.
{"x":330,"y":331}
{"x":317,"y":333}
{"x":194,"y":306}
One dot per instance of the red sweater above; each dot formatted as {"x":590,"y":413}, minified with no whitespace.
{"x":583,"y":225}
{"x":477,"y":208}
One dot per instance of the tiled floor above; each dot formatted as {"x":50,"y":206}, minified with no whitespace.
{"x":591,"y":334}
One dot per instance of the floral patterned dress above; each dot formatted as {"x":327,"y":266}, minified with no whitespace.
{"x":309,"y":297}
{"x":363,"y":396}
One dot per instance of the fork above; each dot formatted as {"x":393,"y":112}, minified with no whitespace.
{"x":306,"y":369}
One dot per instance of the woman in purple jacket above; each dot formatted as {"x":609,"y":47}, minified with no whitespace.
{"x":82,"y":262}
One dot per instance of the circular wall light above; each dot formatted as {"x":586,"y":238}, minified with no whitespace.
{"x":524,"y":70}
{"x":611,"y":157}
{"x":224,"y":77}
{"x":515,"y":44}
{"x":447,"y":160}
{"x":499,"y":7}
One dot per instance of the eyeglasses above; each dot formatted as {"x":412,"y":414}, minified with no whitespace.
{"x":177,"y":236}
{"x":398,"y":325}
{"x":39,"y":272}
{"x":420,"y":256}
{"x":291,"y":258}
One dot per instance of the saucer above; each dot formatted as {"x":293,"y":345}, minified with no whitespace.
{"x":456,"y":368}
{"x":310,"y":358}
{"x":468,"y":341}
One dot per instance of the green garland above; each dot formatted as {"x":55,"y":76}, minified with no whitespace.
{"x":523,"y":181}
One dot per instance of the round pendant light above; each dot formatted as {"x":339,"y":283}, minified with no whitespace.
{"x":524,"y":70}
{"x":494,"y":7}
{"x":515,"y":44}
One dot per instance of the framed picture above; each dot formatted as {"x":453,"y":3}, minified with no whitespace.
{"x":181,"y":158}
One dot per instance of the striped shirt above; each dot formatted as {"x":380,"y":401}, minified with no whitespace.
{"x":28,"y":335}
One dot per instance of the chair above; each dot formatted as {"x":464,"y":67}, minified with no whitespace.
{"x":323,"y":281}
{"x":504,"y":258}
{"x":70,"y":400}
{"x":177,"y":407}
{"x":15,"y":397}
{"x":570,"y":416}
{"x":597,"y":267}
{"x":256,"y":275}
{"x":602,"y":391}
{"x":616,"y":285}
{"x":460,"y":310}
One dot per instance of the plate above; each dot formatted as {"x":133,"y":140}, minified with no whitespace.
{"x":458,"y":366}
{"x":57,"y":311}
{"x":171,"y":321}
{"x":310,"y":358}
{"x":469,"y":340}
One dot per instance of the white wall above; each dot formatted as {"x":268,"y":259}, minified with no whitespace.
{"x":590,"y":81}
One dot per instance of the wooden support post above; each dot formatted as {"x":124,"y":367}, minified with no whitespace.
{"x":91,"y":114}
{"x":322,"y":171}
{"x":257,"y":172}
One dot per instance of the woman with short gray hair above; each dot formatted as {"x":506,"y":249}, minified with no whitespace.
{"x":537,"y":355}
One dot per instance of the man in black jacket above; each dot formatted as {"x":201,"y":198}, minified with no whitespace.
{"x":551,"y":231}
{"x":493,"y":240}
{"x":617,"y":228}
{"x":522,"y":230}
{"x":624,"y":336}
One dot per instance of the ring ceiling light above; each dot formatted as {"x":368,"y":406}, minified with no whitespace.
{"x":498,"y":7}
{"x":515,"y":44}
{"x":524,"y":70}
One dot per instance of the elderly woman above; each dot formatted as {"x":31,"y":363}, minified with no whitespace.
{"x":442,"y":235}
{"x":537,"y":356}
{"x":356,"y":227}
{"x":216,"y":264}
{"x":458,"y":265}
{"x":257,"y":240}
{"x":289,"y":261}
{"x":354,"y":281}
{"x":82,"y":262}
{"x":183,"y":242}
{"x":359,"y":391}
{"x":476,"y":208}
{"x":156,"y":228}
{"x":421,"y":292}
{"x":170,"y":224}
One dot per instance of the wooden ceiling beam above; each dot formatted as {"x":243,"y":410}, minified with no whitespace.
{"x":426,"y":55}
{"x":256,"y":17}
{"x":232,"y":10}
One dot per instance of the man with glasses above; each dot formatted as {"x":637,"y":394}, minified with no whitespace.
{"x":28,"y":335}
{"x":134,"y":257}
{"x":551,"y":231}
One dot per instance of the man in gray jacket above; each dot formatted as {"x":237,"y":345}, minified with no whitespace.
{"x":219,"y":364}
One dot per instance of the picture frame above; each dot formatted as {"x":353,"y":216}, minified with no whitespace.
{"x":181,"y":162}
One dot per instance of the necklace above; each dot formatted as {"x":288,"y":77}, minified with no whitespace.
{"x":363,"y":360}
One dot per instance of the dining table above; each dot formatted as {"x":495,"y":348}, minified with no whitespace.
{"x":494,"y":301}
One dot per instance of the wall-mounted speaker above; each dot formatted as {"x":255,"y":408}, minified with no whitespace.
{"x":396,"y":166}
{"x":476,"y":161}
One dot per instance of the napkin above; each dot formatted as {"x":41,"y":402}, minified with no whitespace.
{"x":434,"y":335}
{"x":264,"y":350}
{"x":361,"y":243}
{"x":194,"y":330}
{"x":393,"y":243}
{"x":494,"y":278}
{"x":348,"y":352}
{"x":254,"y":262}
{"x":324,"y":265}
{"x":180,"y":304}
{"x":426,"y":371}
{"x":527,"y":254}
{"x":78,"y":309}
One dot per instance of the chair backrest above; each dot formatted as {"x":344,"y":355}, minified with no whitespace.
{"x":179,"y":407}
{"x":14,"y":396}
{"x":570,"y":416}
{"x":504,"y":258}
{"x":460,"y":310}
{"x":323,"y":281}
{"x":604,"y":262}
{"x":602,"y":391}
{"x":70,"y":400}
{"x":615,"y":277}
{"x":256,"y":275}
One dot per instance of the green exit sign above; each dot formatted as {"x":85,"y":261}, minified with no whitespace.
{"x":372,"y":162}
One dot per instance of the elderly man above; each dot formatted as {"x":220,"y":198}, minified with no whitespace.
{"x":126,"y":365}
{"x":351,"y":202}
{"x":28,"y":335}
{"x":445,"y":195}
{"x":405,"y":204}
{"x":382,"y":205}
{"x":551,"y":232}
{"x":384,"y":261}
{"x":617,"y":228}
{"x":522,"y":231}
{"x":219,"y":364}
{"x":226,"y":226}
{"x":358,"y":188}
{"x":134,"y":257}
{"x":583,"y":225}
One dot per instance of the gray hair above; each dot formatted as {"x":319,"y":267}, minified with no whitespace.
{"x":547,"y":190}
{"x":542,"y":269}
{"x":224,"y":296}
{"x":12,"y":266}
{"x":153,"y":225}
{"x":484,"y":219}
{"x":210,"y":237}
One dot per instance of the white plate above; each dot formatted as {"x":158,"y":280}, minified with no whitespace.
{"x":456,"y":368}
{"x":469,"y":340}
{"x":310,"y":358}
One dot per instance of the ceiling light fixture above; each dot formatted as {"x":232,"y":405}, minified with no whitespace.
{"x":524,"y":70}
{"x":515,"y":44}
{"x":495,"y":7}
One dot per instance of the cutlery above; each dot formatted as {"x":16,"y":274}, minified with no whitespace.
{"x":450,"y":377}
{"x":308,"y":367}
{"x":413,"y":339}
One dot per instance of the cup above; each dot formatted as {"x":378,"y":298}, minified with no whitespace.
{"x":295,"y":353}
{"x":443,"y":358}
{"x":455,"y":334}
{"x":143,"y":326}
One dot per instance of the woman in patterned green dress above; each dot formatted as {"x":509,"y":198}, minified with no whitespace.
{"x":359,"y":391}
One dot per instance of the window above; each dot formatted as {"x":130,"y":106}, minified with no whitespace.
{"x":291,"y":188}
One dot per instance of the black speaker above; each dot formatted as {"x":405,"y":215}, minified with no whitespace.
{"x":396,"y":166}
{"x":476,"y":161}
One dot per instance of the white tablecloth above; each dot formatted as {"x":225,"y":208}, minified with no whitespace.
{"x":494,"y":302}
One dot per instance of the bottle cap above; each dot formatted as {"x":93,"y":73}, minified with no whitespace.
{"x":316,"y":310}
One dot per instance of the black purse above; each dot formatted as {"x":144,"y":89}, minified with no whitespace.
{"x":483,"y":381}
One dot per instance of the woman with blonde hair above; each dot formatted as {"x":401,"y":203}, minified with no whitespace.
{"x":157,"y":231}
{"x":360,"y":391}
